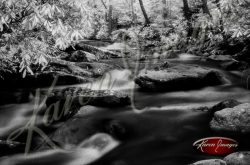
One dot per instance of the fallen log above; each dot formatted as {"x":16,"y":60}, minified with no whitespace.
{"x":96,"y":51}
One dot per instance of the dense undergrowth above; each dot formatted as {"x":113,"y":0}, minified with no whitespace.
{"x":33,"y":31}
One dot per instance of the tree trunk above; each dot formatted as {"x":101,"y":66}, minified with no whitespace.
{"x":164,"y":9}
{"x":204,"y":32}
{"x":106,"y":9}
{"x":188,"y":17}
{"x":104,"y":5}
{"x":132,"y":11}
{"x":110,"y":18}
{"x":220,"y":19}
{"x":205,"y":8}
{"x":170,"y":7}
{"x":147,"y":21}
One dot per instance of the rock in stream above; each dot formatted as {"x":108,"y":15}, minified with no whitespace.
{"x":235,"y":119}
{"x":83,"y":96}
{"x":180,"y":77}
{"x":238,"y":158}
{"x":210,"y":162}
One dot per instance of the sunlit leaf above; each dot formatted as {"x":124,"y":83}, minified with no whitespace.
{"x":48,"y":25}
{"x":1,"y":26}
{"x":29,"y":70}
{"x":76,"y":35}
{"x":24,"y":73}
{"x":61,"y":44}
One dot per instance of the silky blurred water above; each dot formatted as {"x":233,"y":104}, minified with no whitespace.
{"x":162,"y":134}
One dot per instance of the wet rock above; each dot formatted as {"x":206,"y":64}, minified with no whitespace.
{"x":63,"y":104}
{"x":220,"y":58}
{"x":239,"y":158}
{"x":234,"y":65}
{"x":163,"y":66}
{"x":227,"y":62}
{"x":74,"y":131}
{"x":80,"y":56}
{"x":96,"y":68}
{"x":200,"y":108}
{"x":142,"y":58}
{"x":88,"y":110}
{"x":172,"y":54}
{"x":101,"y":53}
{"x":79,"y":97}
{"x":115,"y":128}
{"x":180,"y":77}
{"x":188,"y":57}
{"x":193,"y":50}
{"x":210,"y":162}
{"x":101,"y":142}
{"x":224,"y":104}
{"x":67,"y":73}
{"x":235,"y":119}
{"x":97,"y":43}
{"x":120,"y":48}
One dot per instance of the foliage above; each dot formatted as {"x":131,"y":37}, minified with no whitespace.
{"x":236,"y":16}
{"x":33,"y":29}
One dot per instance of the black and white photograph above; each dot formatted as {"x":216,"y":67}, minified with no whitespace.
{"x":124,"y":82}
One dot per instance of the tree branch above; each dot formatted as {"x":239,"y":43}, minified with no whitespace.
{"x":105,"y":6}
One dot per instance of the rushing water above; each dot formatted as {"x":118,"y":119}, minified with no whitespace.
{"x":161,"y":134}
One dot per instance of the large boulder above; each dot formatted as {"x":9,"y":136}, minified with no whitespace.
{"x":83,"y":96}
{"x":235,"y":119}
{"x":238,"y":158}
{"x":180,"y":77}
{"x":230,"y":103}
{"x":210,"y":162}
{"x":220,"y":58}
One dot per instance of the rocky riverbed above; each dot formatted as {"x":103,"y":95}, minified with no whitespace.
{"x":103,"y":111}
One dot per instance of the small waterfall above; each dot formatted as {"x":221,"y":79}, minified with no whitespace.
{"x":113,"y":80}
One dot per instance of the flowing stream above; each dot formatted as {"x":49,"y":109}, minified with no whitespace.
{"x":160,"y":127}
